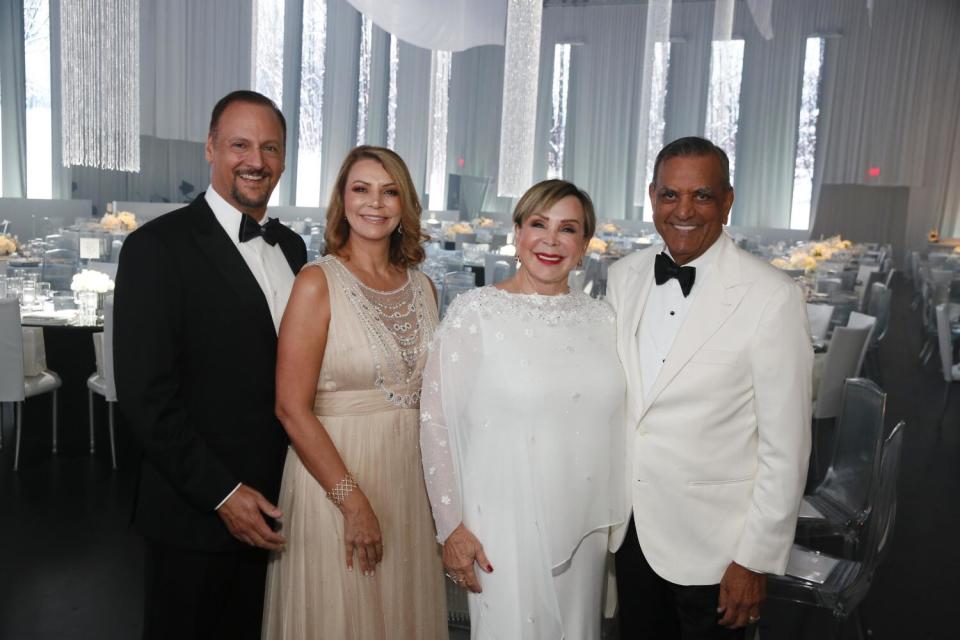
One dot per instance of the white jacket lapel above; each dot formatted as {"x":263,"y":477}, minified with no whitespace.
{"x":712,"y":306}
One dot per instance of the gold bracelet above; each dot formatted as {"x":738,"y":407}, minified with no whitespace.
{"x":342,"y":489}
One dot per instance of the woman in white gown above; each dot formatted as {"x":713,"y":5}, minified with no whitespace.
{"x":521,"y":434}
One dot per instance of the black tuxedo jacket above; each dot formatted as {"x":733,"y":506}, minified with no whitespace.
{"x":194,"y":360}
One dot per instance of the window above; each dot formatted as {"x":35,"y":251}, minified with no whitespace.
{"x":559,"y":96}
{"x":268,"y":50}
{"x":723,"y":97}
{"x":310,"y":134}
{"x":807,"y":134}
{"x":36,"y":29}
{"x":656,"y":124}
{"x":363,"y":82}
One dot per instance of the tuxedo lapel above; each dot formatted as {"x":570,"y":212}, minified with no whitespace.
{"x":226,"y":260}
{"x":712,"y":306}
{"x":290,"y":247}
{"x":629,"y":319}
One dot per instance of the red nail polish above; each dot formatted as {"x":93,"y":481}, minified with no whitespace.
{"x":490,"y":568}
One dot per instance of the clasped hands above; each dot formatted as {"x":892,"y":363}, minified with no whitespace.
{"x":461,"y":550}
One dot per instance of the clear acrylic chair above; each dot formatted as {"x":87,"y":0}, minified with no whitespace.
{"x":15,"y":386}
{"x":838,"y":585}
{"x":840,"y":504}
{"x":102,"y":382}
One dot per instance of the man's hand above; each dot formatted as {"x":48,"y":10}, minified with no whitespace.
{"x":741,"y":593}
{"x":243,"y":515}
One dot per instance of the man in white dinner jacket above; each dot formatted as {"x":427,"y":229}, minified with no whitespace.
{"x":718,"y":361}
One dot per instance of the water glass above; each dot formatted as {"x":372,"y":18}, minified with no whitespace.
{"x":88,"y":302}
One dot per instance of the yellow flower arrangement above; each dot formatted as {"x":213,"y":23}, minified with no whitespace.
{"x":122,"y":221}
{"x":596,"y":246}
{"x":801,"y":260}
{"x":485,"y":223}
{"x":933,"y":235}
{"x":609,"y":227}
{"x":460,"y":227}
{"x":7,"y":245}
{"x":780,"y":263}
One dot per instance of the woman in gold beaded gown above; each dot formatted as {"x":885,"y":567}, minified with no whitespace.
{"x":361,"y":562}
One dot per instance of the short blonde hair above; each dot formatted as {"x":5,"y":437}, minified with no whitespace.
{"x":544,"y":195}
{"x":406,"y":249}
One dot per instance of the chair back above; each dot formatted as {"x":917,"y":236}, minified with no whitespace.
{"x":819,"y":317}
{"x":854,"y":465}
{"x":944,"y":338}
{"x":58,"y":267}
{"x":498,"y":268}
{"x":889,"y":279}
{"x":879,"y":308}
{"x":843,"y":358}
{"x":108,"y":349}
{"x":11,"y":352}
{"x":455,"y":283}
{"x":859,"y":320}
{"x":883,"y":514}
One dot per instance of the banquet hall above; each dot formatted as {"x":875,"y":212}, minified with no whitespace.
{"x":841,"y":120}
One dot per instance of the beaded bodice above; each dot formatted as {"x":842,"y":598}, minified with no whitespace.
{"x":398,"y":326}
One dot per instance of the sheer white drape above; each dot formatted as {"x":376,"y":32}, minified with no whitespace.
{"x":192,"y":54}
{"x":445,"y":25}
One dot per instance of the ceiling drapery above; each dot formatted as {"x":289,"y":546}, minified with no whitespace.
{"x":445,"y":25}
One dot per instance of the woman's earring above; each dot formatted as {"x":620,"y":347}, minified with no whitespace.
{"x":399,"y":230}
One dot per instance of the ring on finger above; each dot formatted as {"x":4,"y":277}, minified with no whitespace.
{"x":753,"y":619}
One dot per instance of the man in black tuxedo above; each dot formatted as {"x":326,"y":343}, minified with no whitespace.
{"x":199,"y":296}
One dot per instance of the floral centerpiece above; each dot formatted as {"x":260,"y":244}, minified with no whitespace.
{"x":8,"y":245}
{"x":93,"y":281}
{"x":596,"y":245}
{"x":123,"y":221}
{"x":609,"y":227}
{"x":460,"y":227}
{"x":809,"y":255}
{"x":484,"y":223}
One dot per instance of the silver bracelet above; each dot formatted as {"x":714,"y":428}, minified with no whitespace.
{"x":342,"y":489}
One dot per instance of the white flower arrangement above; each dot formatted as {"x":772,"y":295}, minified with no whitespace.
{"x":7,"y":245}
{"x":122,"y":221}
{"x":88,"y":280}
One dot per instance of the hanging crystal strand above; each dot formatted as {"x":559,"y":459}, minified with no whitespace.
{"x":392,"y":92}
{"x":100,"y":83}
{"x":521,"y":69}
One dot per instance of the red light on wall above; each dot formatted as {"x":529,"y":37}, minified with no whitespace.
{"x":873,"y":172}
{"x":461,"y":162}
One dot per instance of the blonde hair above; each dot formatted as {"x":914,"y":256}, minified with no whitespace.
{"x":406,"y":248}
{"x":544,"y":195}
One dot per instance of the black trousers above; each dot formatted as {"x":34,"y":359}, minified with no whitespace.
{"x":203,"y":595}
{"x":653,"y":609}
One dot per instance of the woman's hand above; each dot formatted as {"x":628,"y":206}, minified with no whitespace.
{"x":361,"y":532}
{"x":460,"y":551}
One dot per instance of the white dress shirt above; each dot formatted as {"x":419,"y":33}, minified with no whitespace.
{"x":663,"y":316}
{"x":267,"y":264}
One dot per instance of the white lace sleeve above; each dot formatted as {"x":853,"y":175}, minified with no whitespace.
{"x":454,"y":354}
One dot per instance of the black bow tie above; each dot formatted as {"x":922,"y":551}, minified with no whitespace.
{"x":250,"y":228}
{"x":665,"y":268}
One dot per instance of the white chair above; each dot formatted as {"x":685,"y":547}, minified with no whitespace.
{"x":102,"y":382}
{"x":15,"y":386}
{"x":819,"y":317}
{"x":947,"y":314}
{"x":840,"y":363}
{"x":859,"y":320}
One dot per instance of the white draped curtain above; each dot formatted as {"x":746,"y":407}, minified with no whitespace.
{"x":444,"y":25}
